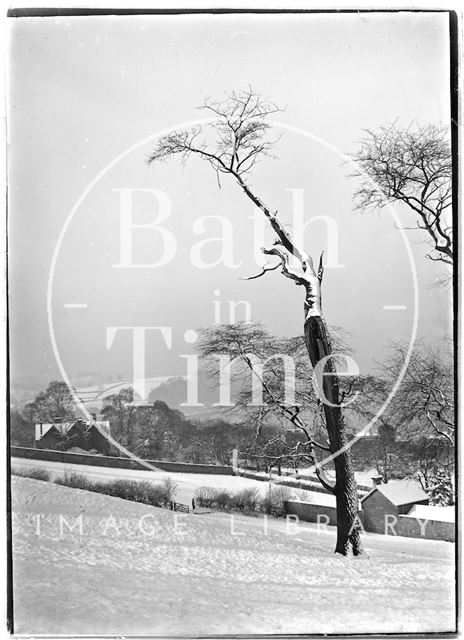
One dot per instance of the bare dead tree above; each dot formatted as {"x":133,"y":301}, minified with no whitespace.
{"x":412,"y":166}
{"x":238,"y":138}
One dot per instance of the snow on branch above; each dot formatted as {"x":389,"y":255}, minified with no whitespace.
{"x":236,"y":139}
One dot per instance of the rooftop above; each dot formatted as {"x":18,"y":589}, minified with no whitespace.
{"x":318,"y":498}
{"x":429,"y":512}
{"x":400,"y":492}
{"x":41,"y":428}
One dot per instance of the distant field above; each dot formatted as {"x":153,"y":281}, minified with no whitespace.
{"x":200,"y":575}
{"x":186,"y":482}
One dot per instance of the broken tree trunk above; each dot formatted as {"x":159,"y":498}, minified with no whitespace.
{"x":318,"y":346}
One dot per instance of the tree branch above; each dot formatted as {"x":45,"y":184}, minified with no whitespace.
{"x":259,"y":275}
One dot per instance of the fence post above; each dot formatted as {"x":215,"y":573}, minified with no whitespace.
{"x":234,"y":461}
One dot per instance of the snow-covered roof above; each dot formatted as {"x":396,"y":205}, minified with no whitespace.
{"x":104,"y":424}
{"x":400,"y":492}
{"x":319,"y":498}
{"x":41,"y":428}
{"x":429,"y":512}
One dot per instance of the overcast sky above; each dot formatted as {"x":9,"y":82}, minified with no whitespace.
{"x":85,"y":90}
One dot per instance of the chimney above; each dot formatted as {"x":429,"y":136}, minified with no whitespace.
{"x":376,"y":480}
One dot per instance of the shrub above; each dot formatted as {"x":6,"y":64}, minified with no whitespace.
{"x":284,"y":493}
{"x":100,"y":487}
{"x":36,"y":473}
{"x":125,"y":489}
{"x":245,"y":500}
{"x":201,"y":497}
{"x":144,"y":492}
{"x":205,"y":496}
{"x":162,"y":495}
{"x":170,"y":489}
{"x":222,"y":499}
{"x":75,"y":481}
{"x":273,"y":501}
{"x":251,"y":499}
{"x":266,"y":504}
{"x":237,"y":500}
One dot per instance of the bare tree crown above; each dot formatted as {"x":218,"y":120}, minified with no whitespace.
{"x":237,"y":138}
{"x":412,"y":166}
{"x":241,"y":134}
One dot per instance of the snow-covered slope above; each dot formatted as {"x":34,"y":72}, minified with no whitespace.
{"x":135,"y":569}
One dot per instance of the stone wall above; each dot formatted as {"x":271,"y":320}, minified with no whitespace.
{"x":121,"y":463}
{"x":413,"y":527}
{"x":310,"y":512}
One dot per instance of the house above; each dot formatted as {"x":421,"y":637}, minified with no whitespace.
{"x":51,"y":435}
{"x":382,"y":506}
{"x":63,"y":435}
{"x":399,"y":507}
{"x":97,"y":440}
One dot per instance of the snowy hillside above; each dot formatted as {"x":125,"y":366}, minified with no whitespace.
{"x":124,"y":575}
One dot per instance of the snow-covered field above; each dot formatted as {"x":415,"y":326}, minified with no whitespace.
{"x":136,"y":569}
{"x":186,"y":482}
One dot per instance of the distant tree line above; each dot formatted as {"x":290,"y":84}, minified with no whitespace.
{"x":414,"y":437}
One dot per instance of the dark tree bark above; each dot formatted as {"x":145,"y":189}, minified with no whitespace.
{"x":318,"y":345}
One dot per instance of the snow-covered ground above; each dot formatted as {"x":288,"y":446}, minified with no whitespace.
{"x":136,"y":569}
{"x":362,"y":477}
{"x":186,"y":482}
